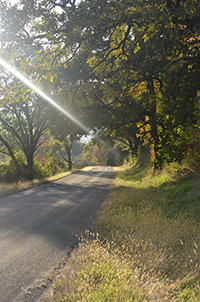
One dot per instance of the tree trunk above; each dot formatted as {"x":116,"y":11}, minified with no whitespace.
{"x":69,"y":160}
{"x":143,"y":156}
{"x":68,"y":150}
{"x":154,"y":132}
{"x":154,"y":135}
{"x":30,"y":167}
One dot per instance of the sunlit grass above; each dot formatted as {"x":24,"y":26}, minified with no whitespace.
{"x":149,"y":243}
{"x":95,"y":274}
{"x":11,"y":188}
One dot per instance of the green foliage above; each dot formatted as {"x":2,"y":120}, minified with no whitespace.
{"x":23,"y":124}
{"x":48,"y":156}
{"x":40,"y":172}
{"x":94,"y":155}
{"x":183,"y":189}
{"x":129,"y":69}
{"x":143,"y":252}
{"x":193,"y":146}
{"x":10,"y":172}
{"x":114,"y":158}
{"x":96,"y":152}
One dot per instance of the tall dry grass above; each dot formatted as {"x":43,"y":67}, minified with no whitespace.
{"x":11,"y":188}
{"x":15,"y":187}
{"x":148,"y":248}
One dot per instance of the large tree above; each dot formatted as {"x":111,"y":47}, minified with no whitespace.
{"x":66,"y":132}
{"x":110,"y":48}
{"x":23,"y":125}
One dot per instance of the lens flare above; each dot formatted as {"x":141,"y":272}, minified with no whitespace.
{"x":22,"y":78}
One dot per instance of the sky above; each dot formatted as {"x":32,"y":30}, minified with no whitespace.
{"x":12,"y":1}
{"x":15,"y":1}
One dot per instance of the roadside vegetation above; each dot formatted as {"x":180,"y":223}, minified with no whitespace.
{"x":14,"y":187}
{"x":125,"y":72}
{"x":145,"y":244}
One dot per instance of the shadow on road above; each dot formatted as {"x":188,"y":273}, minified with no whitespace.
{"x":58,"y":210}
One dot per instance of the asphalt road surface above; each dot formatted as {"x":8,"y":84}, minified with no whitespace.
{"x":37,"y":227}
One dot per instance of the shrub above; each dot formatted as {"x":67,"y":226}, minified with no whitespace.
{"x":193,"y":148}
{"x":10,"y":172}
{"x":39,"y":172}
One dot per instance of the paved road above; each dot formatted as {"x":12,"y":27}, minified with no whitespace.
{"x":39,"y":225}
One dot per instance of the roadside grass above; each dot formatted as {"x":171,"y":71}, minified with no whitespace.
{"x":11,"y":188}
{"x":149,"y":243}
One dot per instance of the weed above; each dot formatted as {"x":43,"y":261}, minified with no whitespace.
{"x":149,"y":247}
{"x":14,"y":187}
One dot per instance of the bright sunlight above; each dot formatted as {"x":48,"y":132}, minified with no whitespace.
{"x":41,"y":93}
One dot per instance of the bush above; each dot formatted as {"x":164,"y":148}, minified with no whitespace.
{"x":39,"y":172}
{"x":10,"y":172}
{"x":193,"y":148}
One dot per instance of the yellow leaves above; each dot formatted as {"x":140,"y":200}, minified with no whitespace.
{"x":145,"y":38}
{"x":51,"y":79}
{"x":143,"y":130}
{"x":92,"y":61}
{"x":137,"y":48}
{"x":139,"y":124}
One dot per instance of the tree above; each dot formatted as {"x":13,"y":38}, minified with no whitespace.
{"x":121,"y":36}
{"x":95,"y":154}
{"x":110,"y":48}
{"x":23,"y":125}
{"x":184,"y":13}
{"x":48,"y":156}
{"x":119,"y":123}
{"x":130,"y":34}
{"x":66,"y":132}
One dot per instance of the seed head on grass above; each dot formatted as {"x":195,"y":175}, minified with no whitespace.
{"x":142,"y":253}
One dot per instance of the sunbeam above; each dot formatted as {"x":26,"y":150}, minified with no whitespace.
{"x":22,"y":78}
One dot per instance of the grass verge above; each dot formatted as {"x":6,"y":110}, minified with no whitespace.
{"x":149,"y":243}
{"x":11,"y":188}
